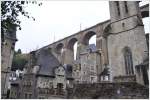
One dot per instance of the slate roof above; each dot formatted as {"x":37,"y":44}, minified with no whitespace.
{"x":92,"y":47}
{"x":47,"y":62}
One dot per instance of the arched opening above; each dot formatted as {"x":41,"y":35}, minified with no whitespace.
{"x":75,"y":50}
{"x":59,"y":52}
{"x":87,"y":37}
{"x":89,"y":40}
{"x":92,"y":40}
{"x":59,"y":48}
{"x":72,"y":46}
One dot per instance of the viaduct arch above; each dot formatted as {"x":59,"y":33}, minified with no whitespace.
{"x":63,"y":49}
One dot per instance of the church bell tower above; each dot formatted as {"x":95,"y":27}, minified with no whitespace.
{"x":125,"y":39}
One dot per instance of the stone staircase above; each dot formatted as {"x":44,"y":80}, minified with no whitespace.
{"x":117,"y":90}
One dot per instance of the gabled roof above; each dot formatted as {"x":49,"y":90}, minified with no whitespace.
{"x":47,"y":62}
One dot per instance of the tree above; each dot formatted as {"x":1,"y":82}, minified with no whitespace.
{"x":19,"y":60}
{"x":10,"y":10}
{"x":19,"y":51}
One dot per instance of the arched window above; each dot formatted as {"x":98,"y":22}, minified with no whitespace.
{"x":126,"y":7}
{"x":118,"y":10}
{"x":128,"y":61}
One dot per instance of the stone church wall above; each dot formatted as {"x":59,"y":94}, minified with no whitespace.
{"x":135,"y":40}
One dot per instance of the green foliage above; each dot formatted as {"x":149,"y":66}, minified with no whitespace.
{"x":19,"y":60}
{"x":10,"y":10}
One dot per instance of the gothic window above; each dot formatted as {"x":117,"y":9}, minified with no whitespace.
{"x":118,"y":10}
{"x":126,"y":7}
{"x":128,"y":61}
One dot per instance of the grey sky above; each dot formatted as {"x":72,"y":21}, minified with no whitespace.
{"x":61,"y":18}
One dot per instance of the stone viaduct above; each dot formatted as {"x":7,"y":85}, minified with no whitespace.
{"x":124,"y":18}
{"x":63,"y":49}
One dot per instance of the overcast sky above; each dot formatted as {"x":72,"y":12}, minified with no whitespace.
{"x":55,"y":20}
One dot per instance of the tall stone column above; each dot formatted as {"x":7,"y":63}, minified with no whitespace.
{"x":80,"y":49}
{"x":67,"y":56}
{"x":98,"y":58}
{"x":104,"y":51}
{"x":7,"y":55}
{"x":102,"y":54}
